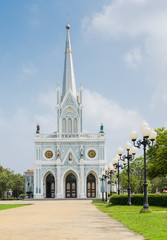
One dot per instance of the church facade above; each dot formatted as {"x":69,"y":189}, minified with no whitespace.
{"x":68,"y":162}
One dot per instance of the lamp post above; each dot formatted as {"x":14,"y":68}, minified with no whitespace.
{"x":105,"y":177}
{"x":149,"y":137}
{"x":116,"y":164}
{"x":111,"y":172}
{"x":131,"y":151}
{"x":102,"y":179}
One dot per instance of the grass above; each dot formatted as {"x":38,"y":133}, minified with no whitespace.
{"x":151,"y":225}
{"x":8,"y":206}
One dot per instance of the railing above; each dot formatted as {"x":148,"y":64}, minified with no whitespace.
{"x":71,"y":135}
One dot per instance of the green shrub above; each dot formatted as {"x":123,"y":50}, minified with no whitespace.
{"x":158,"y":199}
{"x":22,"y":196}
{"x":119,"y":199}
{"x":6,"y":199}
{"x":138,"y":199}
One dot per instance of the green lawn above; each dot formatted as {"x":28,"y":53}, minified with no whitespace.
{"x":151,"y":225}
{"x":7,"y":206}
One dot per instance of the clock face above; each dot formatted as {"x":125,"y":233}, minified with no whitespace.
{"x":69,"y":109}
{"x":92,"y":153}
{"x":49,"y":154}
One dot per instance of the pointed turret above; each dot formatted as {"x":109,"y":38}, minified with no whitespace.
{"x":68,"y":78}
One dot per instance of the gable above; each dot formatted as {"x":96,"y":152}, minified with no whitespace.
{"x":66,"y":161}
{"x":69,"y":100}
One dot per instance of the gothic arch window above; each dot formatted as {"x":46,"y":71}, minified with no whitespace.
{"x":75,"y":126}
{"x":69,"y":125}
{"x":64,"y":125}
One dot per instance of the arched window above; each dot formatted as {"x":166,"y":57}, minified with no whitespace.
{"x":64,"y":125}
{"x":69,"y":125}
{"x":75,"y":126}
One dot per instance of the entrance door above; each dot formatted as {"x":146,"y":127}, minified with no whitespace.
{"x":71,"y":186}
{"x":91,"y":186}
{"x":50,"y":186}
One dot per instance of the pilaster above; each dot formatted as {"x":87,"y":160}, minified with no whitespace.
{"x":82,"y":194}
{"x":59,"y":193}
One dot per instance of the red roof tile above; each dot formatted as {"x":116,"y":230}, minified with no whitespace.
{"x":29,"y":171}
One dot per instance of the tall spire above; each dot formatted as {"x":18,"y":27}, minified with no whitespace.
{"x":68,"y":78}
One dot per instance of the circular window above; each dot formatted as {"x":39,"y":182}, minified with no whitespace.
{"x":92,"y":153}
{"x":49,"y":154}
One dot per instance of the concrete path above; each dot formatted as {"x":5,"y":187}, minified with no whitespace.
{"x":60,"y":220}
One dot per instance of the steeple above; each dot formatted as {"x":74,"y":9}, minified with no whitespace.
{"x":68,"y":78}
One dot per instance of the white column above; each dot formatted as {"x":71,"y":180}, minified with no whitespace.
{"x":34,"y":183}
{"x":59,"y":193}
{"x":82,"y":181}
{"x":99,"y":194}
{"x":42,"y":186}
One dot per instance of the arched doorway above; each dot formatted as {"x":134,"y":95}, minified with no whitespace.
{"x":71,"y":186}
{"x":91,"y":186}
{"x":50,"y":186}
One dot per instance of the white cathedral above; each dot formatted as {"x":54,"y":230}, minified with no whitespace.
{"x":68,"y":162}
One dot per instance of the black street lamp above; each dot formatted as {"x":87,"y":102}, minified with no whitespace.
{"x":131,"y":151}
{"x":117,"y":164}
{"x":111,"y":173}
{"x":102,"y":180}
{"x":148,"y":138}
{"x":105,"y":177}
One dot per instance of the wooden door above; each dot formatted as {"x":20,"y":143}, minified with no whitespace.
{"x":71,"y":186}
{"x":91,"y":186}
{"x":50,"y":186}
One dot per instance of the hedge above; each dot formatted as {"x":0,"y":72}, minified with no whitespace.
{"x":138,"y":199}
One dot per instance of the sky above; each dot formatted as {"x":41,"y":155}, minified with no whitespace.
{"x":120,"y":56}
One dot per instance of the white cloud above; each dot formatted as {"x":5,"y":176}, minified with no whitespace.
{"x":133,"y":58}
{"x":2,"y":120}
{"x":128,"y":17}
{"x":117,"y":121}
{"x":47,"y":122}
{"x":100,"y":109}
{"x":29,"y":69}
{"x":141,"y":21}
{"x":17,"y":146}
{"x":159,"y":95}
{"x":34,"y":15}
{"x":34,"y":9}
{"x":48,"y":99}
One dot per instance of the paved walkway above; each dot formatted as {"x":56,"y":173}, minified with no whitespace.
{"x":60,"y":220}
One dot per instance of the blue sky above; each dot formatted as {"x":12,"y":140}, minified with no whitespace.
{"x":120,"y":56}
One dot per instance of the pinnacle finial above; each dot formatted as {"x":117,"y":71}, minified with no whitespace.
{"x":68,"y":26}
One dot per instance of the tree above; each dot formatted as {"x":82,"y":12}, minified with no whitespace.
{"x":11,"y":181}
{"x":136,"y":176}
{"x":159,"y":183}
{"x":5,"y":180}
{"x":18,"y":184}
{"x":157,"y":155}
